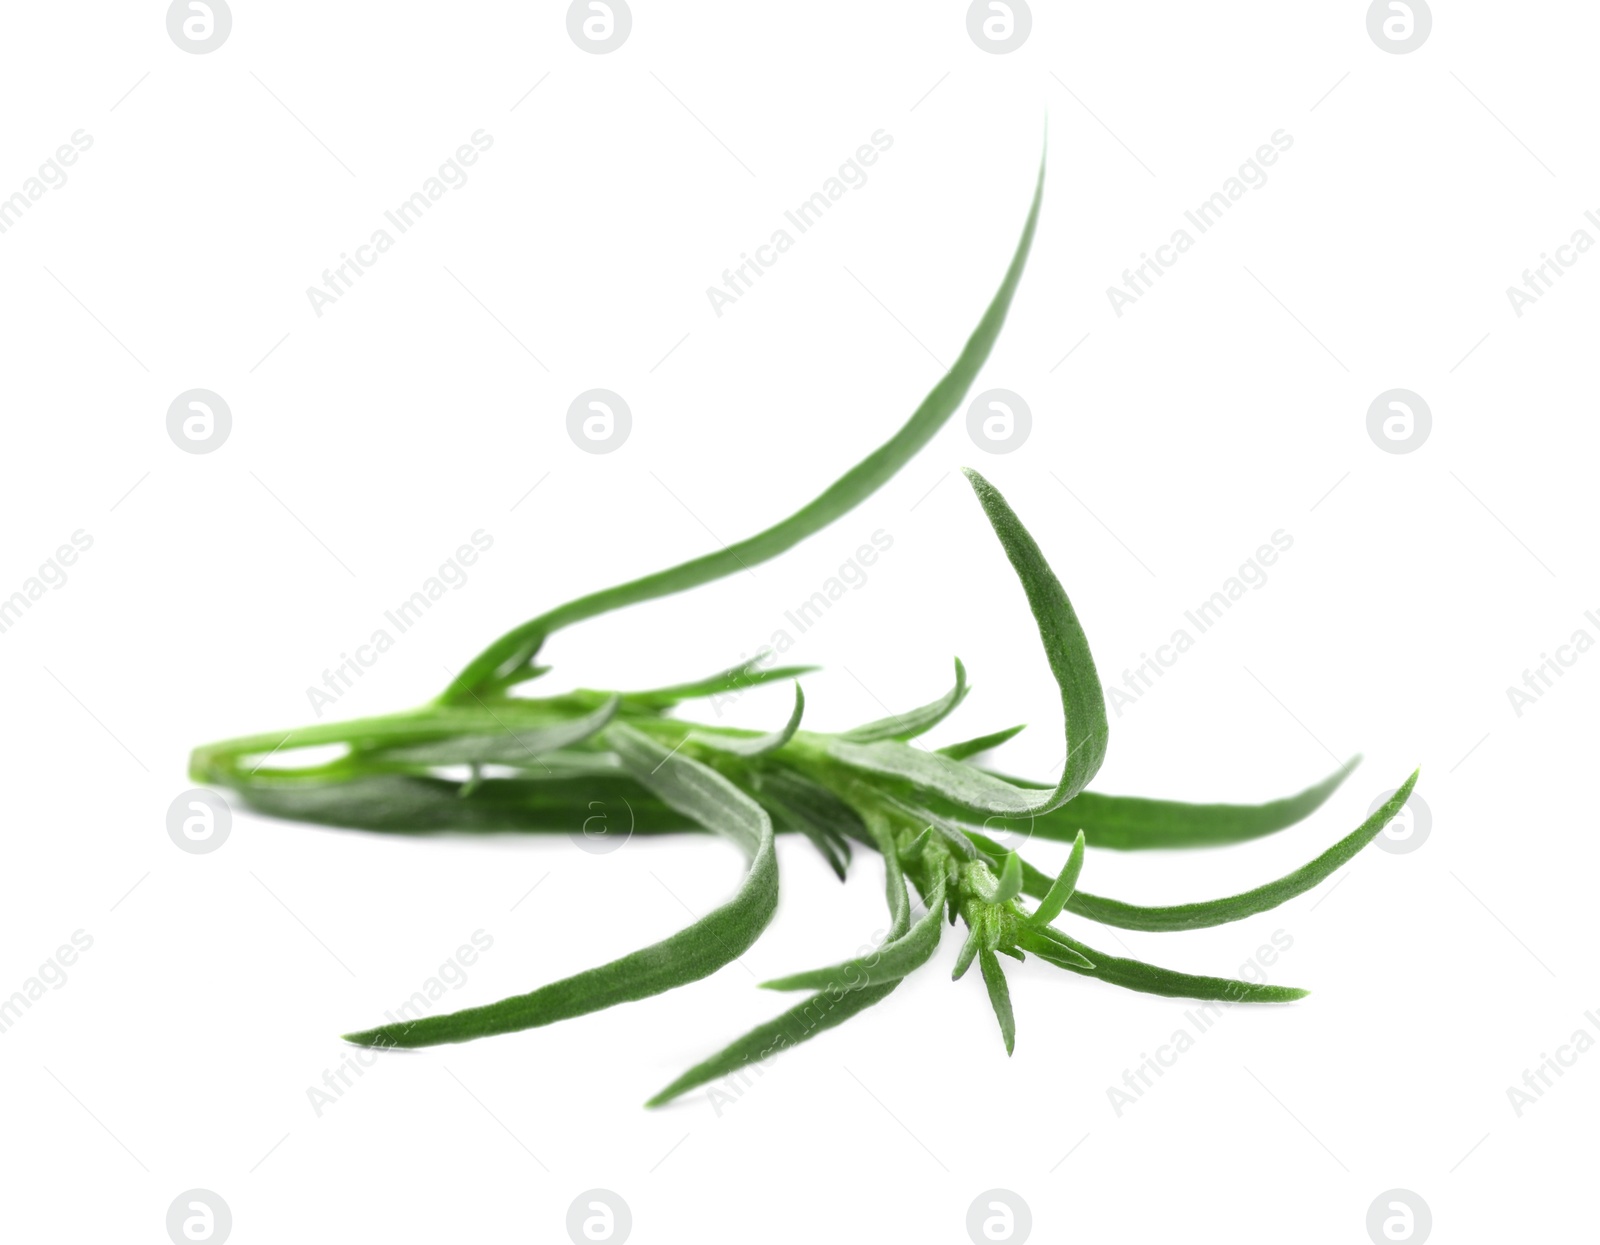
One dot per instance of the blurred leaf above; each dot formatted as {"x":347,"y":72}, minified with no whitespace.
{"x":758,"y":745}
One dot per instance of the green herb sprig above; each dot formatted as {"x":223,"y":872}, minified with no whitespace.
{"x":541,"y":764}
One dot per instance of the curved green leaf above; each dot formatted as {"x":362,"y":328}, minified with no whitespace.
{"x":756,"y":745}
{"x":800,"y":805}
{"x":913,"y":722}
{"x":505,"y":662}
{"x":965,"y":956}
{"x":1049,"y":945}
{"x":938,"y":827}
{"x":509,"y":747}
{"x":822,"y":1011}
{"x":735,"y":679}
{"x":890,"y":962}
{"x":1129,"y":823}
{"x":1061,"y":889}
{"x":983,"y":743}
{"x":912,"y":851}
{"x":817,"y":1014}
{"x":1010,"y":884}
{"x":716,"y":939}
{"x":1210,"y":912}
{"x":1248,"y":903}
{"x":1066,"y":648}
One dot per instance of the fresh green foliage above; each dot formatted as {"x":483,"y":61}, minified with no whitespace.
{"x":756,"y":745}
{"x":1055,"y":898}
{"x":983,"y":743}
{"x":717,"y":938}
{"x":509,"y":660}
{"x":1083,"y":704}
{"x":903,"y":726}
{"x":999,"y":997}
{"x":539,"y":765}
{"x":890,"y":962}
{"x":1131,"y":824}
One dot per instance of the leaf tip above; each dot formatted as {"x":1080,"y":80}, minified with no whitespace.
{"x":1010,"y":885}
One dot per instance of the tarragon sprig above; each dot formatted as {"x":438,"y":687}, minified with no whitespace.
{"x":541,"y":764}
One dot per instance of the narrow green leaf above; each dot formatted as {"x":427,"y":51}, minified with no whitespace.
{"x":1128,"y":823}
{"x":983,"y":743}
{"x":1035,"y":881}
{"x":716,"y":939}
{"x":820,"y":804}
{"x":822,"y":1011}
{"x":509,"y":747}
{"x":1061,"y":889}
{"x":407,"y":804}
{"x":913,"y":850}
{"x":881,"y":832}
{"x":1248,"y":903}
{"x":235,"y":762}
{"x":964,"y":957}
{"x":735,"y":679}
{"x":806,"y":1020}
{"x":835,"y":851}
{"x":1010,"y":879}
{"x":1216,"y":911}
{"x":890,"y":962}
{"x":914,"y":722}
{"x":757,"y":745}
{"x":956,"y":840}
{"x":799,"y":805}
{"x":1049,"y":945}
{"x":1056,"y":953}
{"x":999,"y":997}
{"x":505,"y":662}
{"x":1083,"y":704}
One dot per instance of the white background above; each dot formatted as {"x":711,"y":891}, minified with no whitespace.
{"x":369,"y":442}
